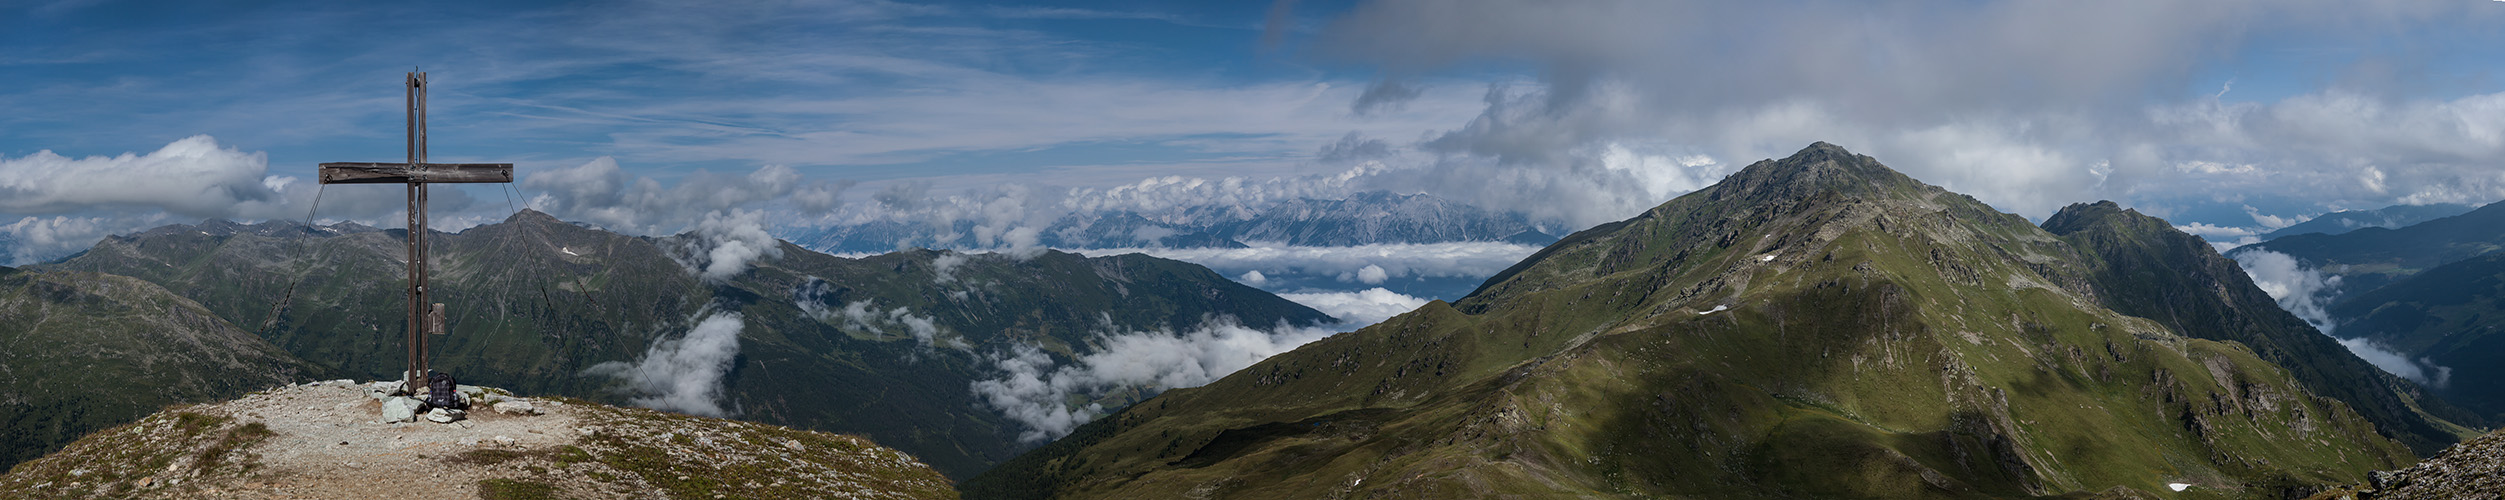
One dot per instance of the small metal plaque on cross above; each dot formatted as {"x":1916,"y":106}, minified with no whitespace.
{"x":417,"y":173}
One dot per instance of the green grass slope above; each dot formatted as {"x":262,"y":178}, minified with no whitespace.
{"x":535,"y":301}
{"x":2141,"y":266}
{"x":1814,"y":327}
{"x":81,"y":352}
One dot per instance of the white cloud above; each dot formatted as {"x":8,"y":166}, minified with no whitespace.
{"x":2211,"y":167}
{"x":2223,"y":246}
{"x":2273,"y":222}
{"x":1253,"y":277}
{"x":866,"y":316}
{"x":2392,"y":362}
{"x":1035,"y":391}
{"x":601,"y":192}
{"x":1371,"y":274}
{"x":1360,"y":308}
{"x":2306,"y":293}
{"x":2300,"y":290}
{"x":2025,"y":105}
{"x":862,"y":315}
{"x":945,"y":266}
{"x":682,"y":374}
{"x":193,"y":176}
{"x":35,"y":239}
{"x":722,"y":245}
{"x":2206,"y":230}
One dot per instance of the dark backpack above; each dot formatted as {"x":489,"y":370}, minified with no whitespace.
{"x":439,"y":391}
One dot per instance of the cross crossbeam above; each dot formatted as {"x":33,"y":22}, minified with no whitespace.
{"x":429,"y":173}
{"x":416,"y":174}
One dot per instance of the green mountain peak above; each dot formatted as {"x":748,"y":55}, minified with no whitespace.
{"x":1816,"y":326}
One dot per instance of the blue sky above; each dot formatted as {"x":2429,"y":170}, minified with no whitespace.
{"x":667,"y":87}
{"x":646,"y":116}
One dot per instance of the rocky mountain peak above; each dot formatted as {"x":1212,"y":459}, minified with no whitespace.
{"x":533,"y":216}
{"x":2081,"y":216}
{"x":1819,"y":167}
{"x":1818,"y":326}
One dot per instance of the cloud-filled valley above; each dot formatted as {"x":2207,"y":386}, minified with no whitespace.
{"x":2306,"y":292}
{"x":1035,"y":390}
{"x":685,"y":373}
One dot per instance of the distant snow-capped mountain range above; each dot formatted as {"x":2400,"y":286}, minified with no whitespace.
{"x":1366,"y":218}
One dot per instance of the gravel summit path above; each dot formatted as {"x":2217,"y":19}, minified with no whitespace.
{"x":331,"y":442}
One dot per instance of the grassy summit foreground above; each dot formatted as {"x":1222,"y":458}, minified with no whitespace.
{"x":327,"y":440}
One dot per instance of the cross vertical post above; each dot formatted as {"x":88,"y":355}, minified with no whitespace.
{"x":415,"y":372}
{"x":416,"y":173}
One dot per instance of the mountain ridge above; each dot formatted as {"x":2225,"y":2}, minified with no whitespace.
{"x":2247,"y":316}
{"x":886,"y":346}
{"x":2369,"y":258}
{"x":2441,"y":319}
{"x":2391,"y":217}
{"x":84,"y":351}
{"x":1815,"y":326}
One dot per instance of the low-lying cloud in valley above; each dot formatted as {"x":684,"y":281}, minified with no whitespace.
{"x":2303,"y":291}
{"x":725,"y":244}
{"x":683,"y":374}
{"x":1034,"y":389}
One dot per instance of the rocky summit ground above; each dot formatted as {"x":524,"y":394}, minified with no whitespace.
{"x":2471,"y":470}
{"x":330,"y":440}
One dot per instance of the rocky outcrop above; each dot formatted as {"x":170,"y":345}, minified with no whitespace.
{"x":2472,"y":470}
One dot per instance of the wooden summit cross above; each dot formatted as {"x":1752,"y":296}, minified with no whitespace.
{"x":417,"y":173}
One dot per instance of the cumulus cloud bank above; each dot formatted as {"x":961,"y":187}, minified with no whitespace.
{"x":600,"y":192}
{"x":1034,"y":389}
{"x":2304,"y":292}
{"x":944,"y":267}
{"x":2301,"y":291}
{"x":193,"y":176}
{"x":34,"y":239}
{"x":723,"y":245}
{"x":1360,"y":308}
{"x":61,"y":205}
{"x":866,"y":316}
{"x":862,"y":315}
{"x":683,"y":374}
{"x":2026,"y":105}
